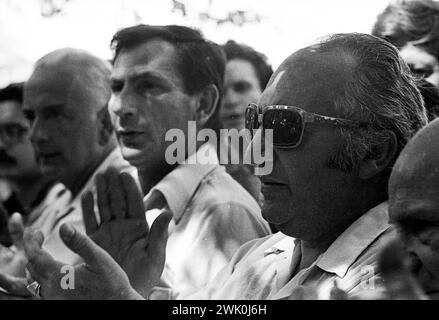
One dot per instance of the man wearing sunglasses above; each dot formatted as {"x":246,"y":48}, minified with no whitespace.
{"x":340,"y":111}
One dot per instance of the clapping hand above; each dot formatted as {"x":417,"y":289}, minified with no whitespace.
{"x":98,"y":277}
{"x":123,"y":231}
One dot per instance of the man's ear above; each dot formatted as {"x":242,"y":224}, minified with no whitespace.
{"x":207,"y":104}
{"x":380,"y":158}
{"x":105,"y":128}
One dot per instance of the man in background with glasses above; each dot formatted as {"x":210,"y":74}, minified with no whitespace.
{"x":27,"y":186}
{"x":340,"y":112}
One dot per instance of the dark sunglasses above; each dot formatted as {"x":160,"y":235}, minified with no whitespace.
{"x":288,"y":123}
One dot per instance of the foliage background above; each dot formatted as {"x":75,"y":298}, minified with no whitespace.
{"x":32,"y":28}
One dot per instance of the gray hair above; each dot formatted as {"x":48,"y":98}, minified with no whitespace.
{"x":381,"y":91}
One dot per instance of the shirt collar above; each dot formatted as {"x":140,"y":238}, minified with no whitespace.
{"x":345,"y":250}
{"x":285,"y":244}
{"x":180,"y":184}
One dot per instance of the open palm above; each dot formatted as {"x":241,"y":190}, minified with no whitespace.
{"x":124,"y":232}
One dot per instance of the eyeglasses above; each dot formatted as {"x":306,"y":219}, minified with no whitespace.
{"x":288,"y":123}
{"x":12,"y":133}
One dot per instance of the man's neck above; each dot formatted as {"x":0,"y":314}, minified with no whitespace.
{"x":150,"y":177}
{"x":359,"y":205}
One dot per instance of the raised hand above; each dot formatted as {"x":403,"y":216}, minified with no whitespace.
{"x":123,"y":231}
{"x":13,"y":260}
{"x":99,"y":277}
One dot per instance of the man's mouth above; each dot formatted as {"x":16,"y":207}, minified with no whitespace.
{"x":130,"y":137}
{"x":48,"y":157}
{"x":233,"y":117}
{"x":270,"y":188}
{"x":268,"y":181}
{"x":129,"y":132}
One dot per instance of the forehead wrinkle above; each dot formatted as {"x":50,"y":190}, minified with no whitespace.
{"x":314,"y":78}
{"x":417,"y":166}
{"x":78,"y":82}
{"x":150,"y":59}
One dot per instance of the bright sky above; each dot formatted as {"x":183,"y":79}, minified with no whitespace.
{"x":287,"y":25}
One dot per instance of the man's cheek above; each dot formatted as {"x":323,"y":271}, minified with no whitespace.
{"x":430,"y":236}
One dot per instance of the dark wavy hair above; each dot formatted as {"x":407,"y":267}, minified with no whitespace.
{"x":414,"y":21}
{"x":258,"y":60}
{"x":200,"y":61}
{"x":13,"y":92}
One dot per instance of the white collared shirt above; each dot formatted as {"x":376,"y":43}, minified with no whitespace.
{"x":262,"y":269}
{"x":212,"y":217}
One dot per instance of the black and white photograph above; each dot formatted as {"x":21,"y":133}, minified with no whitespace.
{"x":240,"y":152}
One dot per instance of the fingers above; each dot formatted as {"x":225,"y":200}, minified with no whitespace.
{"x":40,"y":263}
{"x":158,"y":235}
{"x":102,"y":198}
{"x":16,"y":230}
{"x":14,"y":285}
{"x":81,"y":244}
{"x":116,"y":194}
{"x":88,"y":213}
{"x":398,"y":280}
{"x":133,"y":196}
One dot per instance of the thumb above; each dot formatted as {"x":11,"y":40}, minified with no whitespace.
{"x":16,"y":230}
{"x":81,"y":244}
{"x":399,"y":282}
{"x":158,"y":235}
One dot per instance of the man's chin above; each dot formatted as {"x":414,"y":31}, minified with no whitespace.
{"x":51,"y":171}
{"x":133,"y":156}
{"x":271,"y":213}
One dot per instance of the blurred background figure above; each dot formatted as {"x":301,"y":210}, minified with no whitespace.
{"x":414,"y":206}
{"x":246,"y":76}
{"x":25,"y":185}
{"x":413,"y":27}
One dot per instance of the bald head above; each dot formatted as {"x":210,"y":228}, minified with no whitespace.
{"x":414,"y":205}
{"x":66,"y":99}
{"x":73,"y":70}
{"x":416,"y":172}
{"x":314,"y":79}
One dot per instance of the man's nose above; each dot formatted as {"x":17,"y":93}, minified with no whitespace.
{"x":121,"y":106}
{"x":230,"y":98}
{"x":257,"y":143}
{"x":37,"y":132}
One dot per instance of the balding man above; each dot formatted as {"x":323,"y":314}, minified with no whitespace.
{"x":340,"y":112}
{"x":414,"y":205}
{"x":66,"y":101}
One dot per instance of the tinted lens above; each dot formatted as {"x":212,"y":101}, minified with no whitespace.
{"x":251,"y":119}
{"x":287,"y":126}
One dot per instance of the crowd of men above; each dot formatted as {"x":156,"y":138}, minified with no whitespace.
{"x":349,"y":209}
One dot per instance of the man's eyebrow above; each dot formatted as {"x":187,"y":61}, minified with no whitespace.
{"x":44,"y":106}
{"x":51,"y":107}
{"x":148,"y":75}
